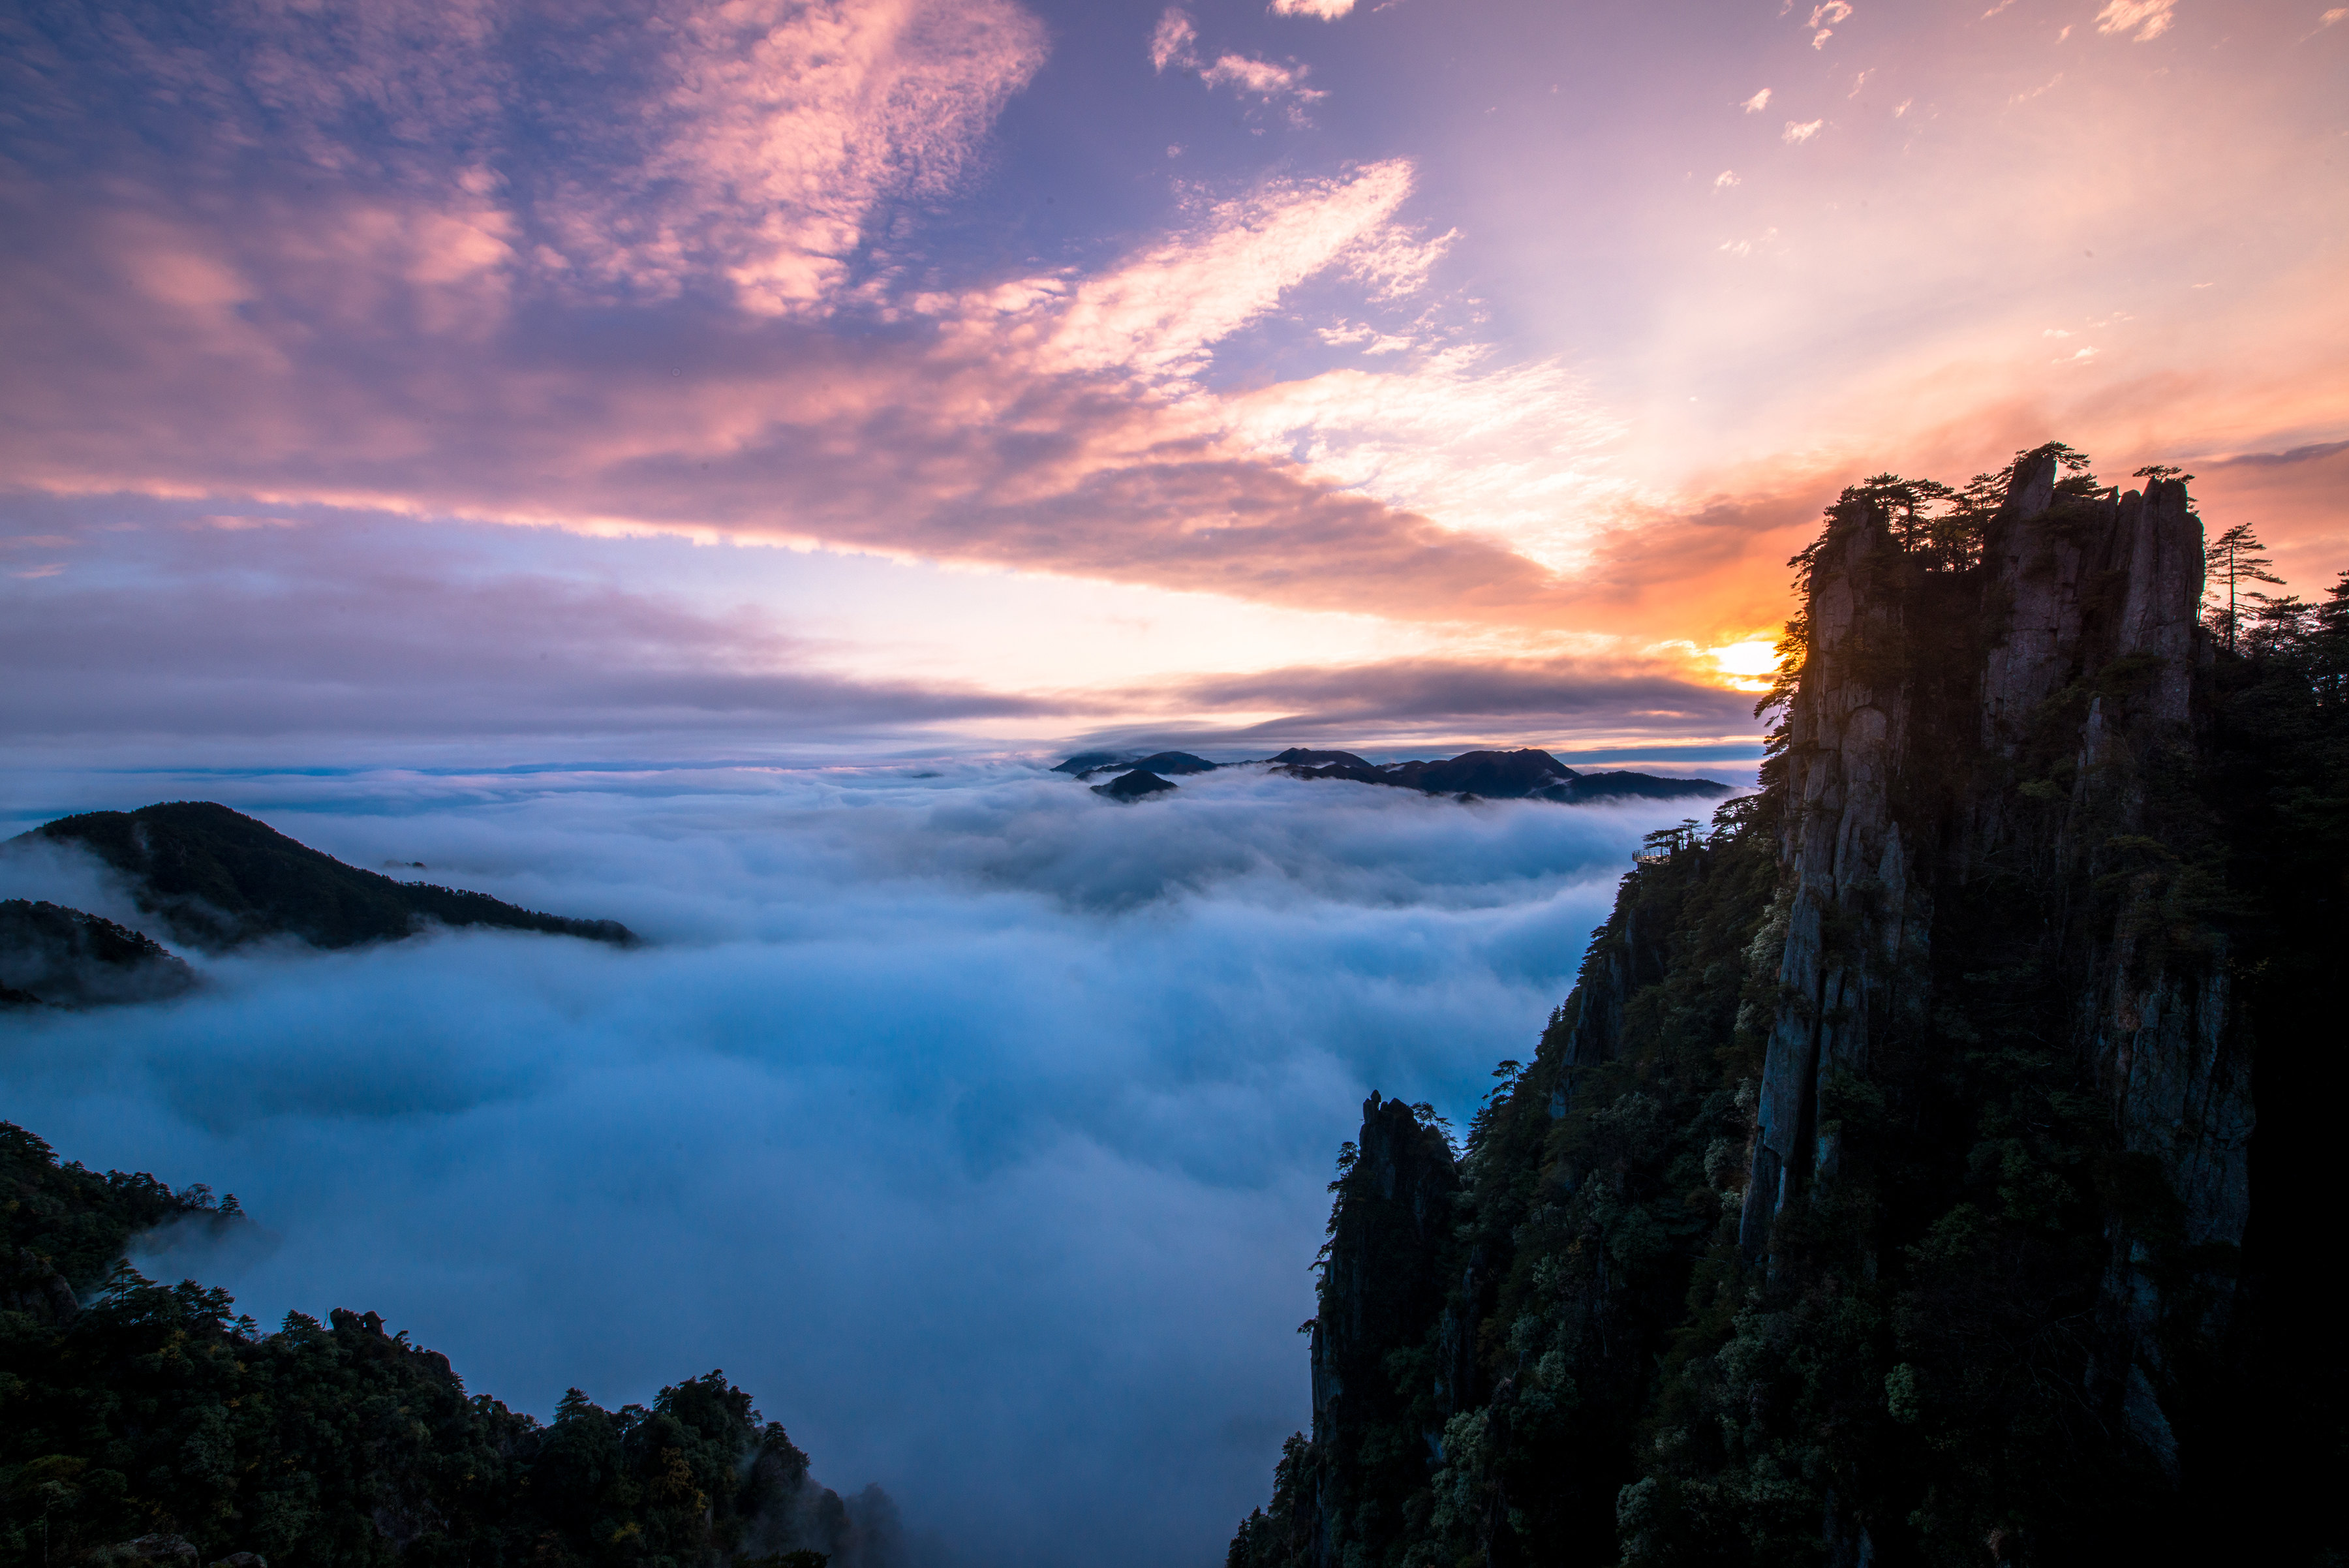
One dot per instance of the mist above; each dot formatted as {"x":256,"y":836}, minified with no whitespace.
{"x":979,"y":1127}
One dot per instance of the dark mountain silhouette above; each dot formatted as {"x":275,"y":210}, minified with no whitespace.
{"x":1135,"y":786}
{"x":1175,"y":763}
{"x":68,"y":959}
{"x":1300,"y":757}
{"x":1161,"y":762}
{"x":216,"y":879}
{"x":1891,"y":1190}
{"x":1499,"y":775}
{"x":1086,"y":762}
{"x":1525,"y":774}
{"x":1588,"y":787}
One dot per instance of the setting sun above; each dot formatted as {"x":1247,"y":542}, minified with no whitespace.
{"x":1748,"y":664}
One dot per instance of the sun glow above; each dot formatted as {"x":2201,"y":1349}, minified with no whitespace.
{"x":1749,"y":665}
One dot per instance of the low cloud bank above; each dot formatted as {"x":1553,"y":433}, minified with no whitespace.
{"x":976,"y":1124}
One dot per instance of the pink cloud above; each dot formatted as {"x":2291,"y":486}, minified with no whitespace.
{"x":2150,"y":18}
{"x":1261,"y":77}
{"x":1514,"y":454}
{"x":1174,"y":42}
{"x":774,"y":129}
{"x":1016,"y":440}
{"x":672,"y":347}
{"x":1163,"y":308}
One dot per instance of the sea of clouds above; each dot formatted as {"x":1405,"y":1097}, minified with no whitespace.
{"x":978,"y":1125}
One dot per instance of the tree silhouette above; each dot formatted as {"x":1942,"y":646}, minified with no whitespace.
{"x":2277,"y":623}
{"x":2234,"y":559}
{"x":1665,"y":842}
{"x":2330,"y":643}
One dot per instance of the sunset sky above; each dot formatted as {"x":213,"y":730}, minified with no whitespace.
{"x":688,"y":462}
{"x":502,"y":383}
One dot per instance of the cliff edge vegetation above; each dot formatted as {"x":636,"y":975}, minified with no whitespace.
{"x":1890,"y":1187}
{"x":144,"y":1422}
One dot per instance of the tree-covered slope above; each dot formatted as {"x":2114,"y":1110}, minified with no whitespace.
{"x":66,"y":958}
{"x":1889,"y":1189}
{"x":131,"y":1410}
{"x":218,"y":878}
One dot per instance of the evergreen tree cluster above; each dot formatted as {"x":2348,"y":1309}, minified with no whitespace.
{"x":146,"y":1422}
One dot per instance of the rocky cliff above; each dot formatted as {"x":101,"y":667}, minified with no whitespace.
{"x":2083,"y":616}
{"x":1884,"y":1191}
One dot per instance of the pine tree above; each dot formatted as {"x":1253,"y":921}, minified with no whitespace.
{"x":2234,"y":559}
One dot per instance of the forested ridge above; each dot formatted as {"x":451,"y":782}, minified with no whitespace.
{"x":146,"y":1422}
{"x":1889,"y":1189}
{"x":216,"y":878}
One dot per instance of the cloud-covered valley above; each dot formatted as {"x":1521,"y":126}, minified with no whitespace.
{"x":975,"y":1124}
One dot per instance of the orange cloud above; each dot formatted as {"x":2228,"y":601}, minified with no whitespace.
{"x":672,"y":335}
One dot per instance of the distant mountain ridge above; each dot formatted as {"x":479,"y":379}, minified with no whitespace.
{"x":1526,"y":773}
{"x":217,"y":880}
{"x":1133,"y":785}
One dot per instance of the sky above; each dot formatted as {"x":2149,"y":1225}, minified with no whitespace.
{"x":696,"y":462}
{"x":825,"y":381}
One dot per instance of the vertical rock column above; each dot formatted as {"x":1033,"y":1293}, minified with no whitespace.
{"x":2034,"y":572}
{"x":2094,"y":606}
{"x":2159,"y":612}
{"x":2161,"y":1028}
{"x":1383,"y":1289}
{"x":1854,"y":917}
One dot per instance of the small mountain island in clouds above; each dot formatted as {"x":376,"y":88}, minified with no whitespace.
{"x":217,"y":880}
{"x":1523,"y":775}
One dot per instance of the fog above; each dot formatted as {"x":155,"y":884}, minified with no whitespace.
{"x":976,"y":1125}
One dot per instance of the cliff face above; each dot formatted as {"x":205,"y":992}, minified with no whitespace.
{"x":2082,"y":677}
{"x":1881,"y":1192}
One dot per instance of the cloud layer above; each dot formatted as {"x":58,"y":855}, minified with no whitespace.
{"x":156,"y":634}
{"x":651,"y":267}
{"x":975,"y":1124}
